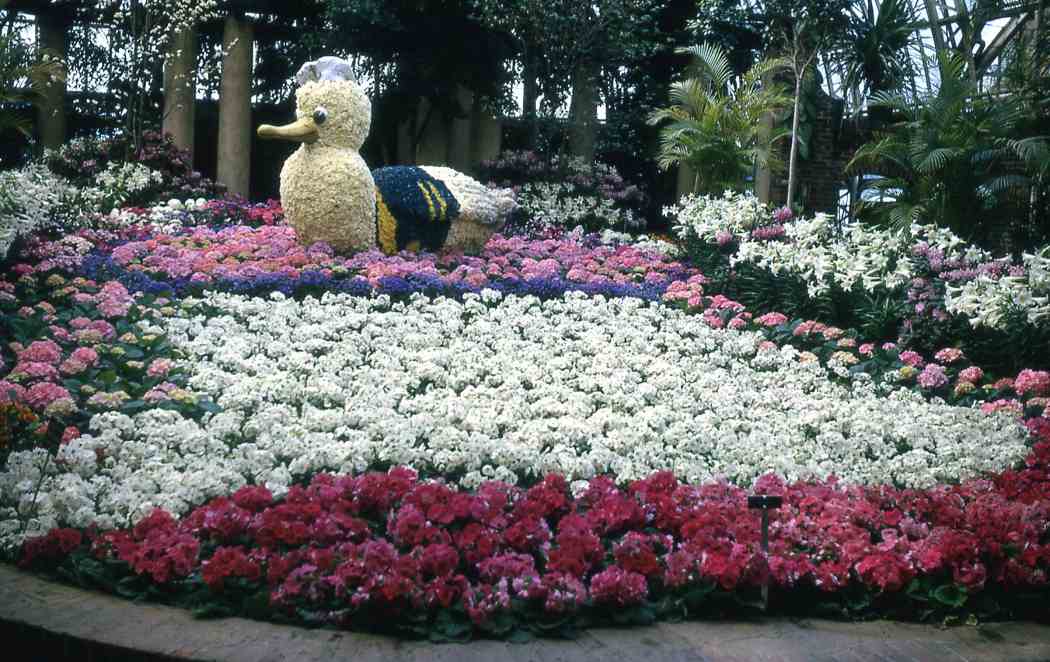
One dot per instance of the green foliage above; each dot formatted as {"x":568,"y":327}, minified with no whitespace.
{"x":553,"y":37}
{"x":715,"y":122}
{"x":951,"y":158}
{"x":23,"y":79}
{"x":876,"y":50}
{"x":421,"y":50}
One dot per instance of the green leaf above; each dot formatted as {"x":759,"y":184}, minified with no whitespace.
{"x":950,"y":595}
{"x":697,"y":595}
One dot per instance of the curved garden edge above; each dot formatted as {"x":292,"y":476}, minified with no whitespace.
{"x":74,"y":622}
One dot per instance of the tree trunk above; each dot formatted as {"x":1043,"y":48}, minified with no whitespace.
{"x":936,"y":30}
{"x":583,"y":111}
{"x":530,"y":96}
{"x":793,"y":159}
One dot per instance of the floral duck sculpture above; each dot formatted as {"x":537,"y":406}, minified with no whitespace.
{"x":330,"y":195}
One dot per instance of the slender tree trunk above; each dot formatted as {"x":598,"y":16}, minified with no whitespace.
{"x":793,"y":159}
{"x":935,"y":29}
{"x":530,"y":95}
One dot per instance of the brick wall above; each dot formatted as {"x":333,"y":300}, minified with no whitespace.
{"x":823,"y":174}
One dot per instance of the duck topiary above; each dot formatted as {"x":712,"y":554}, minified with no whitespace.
{"x":330,"y":195}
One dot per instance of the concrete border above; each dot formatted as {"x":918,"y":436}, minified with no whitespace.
{"x":44,"y":620}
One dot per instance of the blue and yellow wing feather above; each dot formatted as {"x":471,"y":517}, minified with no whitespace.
{"x":413,"y":209}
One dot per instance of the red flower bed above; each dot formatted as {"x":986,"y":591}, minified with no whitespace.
{"x":391,"y":551}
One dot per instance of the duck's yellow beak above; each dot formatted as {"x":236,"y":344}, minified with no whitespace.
{"x":303,"y":130}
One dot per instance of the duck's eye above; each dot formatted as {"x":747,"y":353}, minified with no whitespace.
{"x":320,"y":115}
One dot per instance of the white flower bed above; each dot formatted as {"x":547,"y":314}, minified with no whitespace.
{"x":823,"y":255}
{"x":507,"y":388}
{"x":29,"y":198}
{"x":986,"y":301}
{"x":34,"y":198}
{"x":705,"y":217}
{"x":641,"y":241}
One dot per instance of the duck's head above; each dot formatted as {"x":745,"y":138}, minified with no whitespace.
{"x":331,"y":108}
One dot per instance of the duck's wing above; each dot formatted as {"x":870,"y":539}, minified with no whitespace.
{"x":412,"y":208}
{"x":478,"y":203}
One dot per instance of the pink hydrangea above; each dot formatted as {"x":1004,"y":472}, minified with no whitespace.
{"x":1032,"y":382}
{"x":114,"y":300}
{"x":159,"y":368}
{"x":39,"y":396}
{"x":832,"y":333}
{"x":914,"y":359}
{"x":933,"y":376}
{"x":72,"y":367}
{"x":772,"y":319}
{"x":104,"y":328}
{"x":971,"y":375}
{"x":949,"y":355}
{"x":33,"y":371}
{"x":85,"y":355}
{"x":41,"y":351}
{"x":1002,"y":404}
{"x":867,"y":349}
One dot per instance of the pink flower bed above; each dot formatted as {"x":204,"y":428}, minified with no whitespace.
{"x":350,"y":548}
{"x":241,"y":252}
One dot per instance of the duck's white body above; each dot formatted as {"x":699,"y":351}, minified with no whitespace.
{"x":330,"y":195}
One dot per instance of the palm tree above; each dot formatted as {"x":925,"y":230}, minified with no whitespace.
{"x":876,"y":51}
{"x":951,"y":157}
{"x":715,"y":124}
{"x":22,"y":82}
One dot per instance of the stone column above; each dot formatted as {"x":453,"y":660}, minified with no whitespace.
{"x":51,"y":112}
{"x":486,"y":137}
{"x":235,"y":106}
{"x":459,"y":131}
{"x":180,"y":88}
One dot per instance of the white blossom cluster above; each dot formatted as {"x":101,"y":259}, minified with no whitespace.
{"x":561,"y":205}
{"x":822,"y":256}
{"x":155,"y":21}
{"x":640,"y":241}
{"x":818,"y":250}
{"x":493,"y":387}
{"x":987,"y":301}
{"x":704,"y":217}
{"x":29,"y":200}
{"x":168,"y":218}
{"x":115,"y":185}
